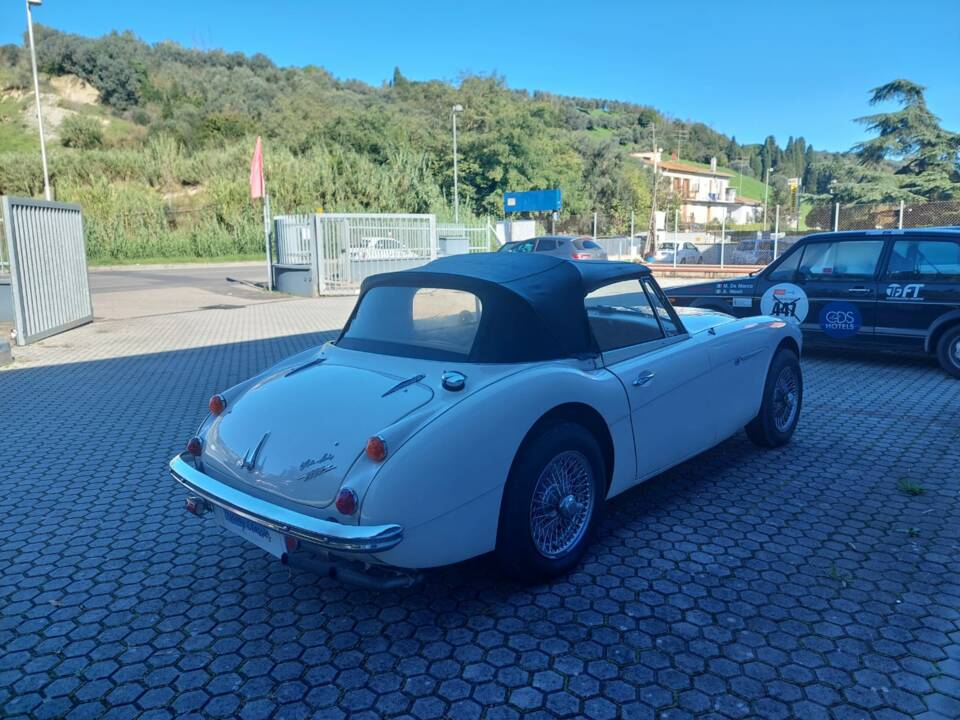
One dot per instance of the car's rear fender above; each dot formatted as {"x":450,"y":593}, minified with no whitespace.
{"x":444,"y":484}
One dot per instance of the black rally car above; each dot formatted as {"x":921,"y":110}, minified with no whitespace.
{"x":886,"y":289}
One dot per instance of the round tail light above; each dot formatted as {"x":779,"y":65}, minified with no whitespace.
{"x":346,"y":501}
{"x":217,"y":404}
{"x":376,"y":449}
{"x":195,"y":446}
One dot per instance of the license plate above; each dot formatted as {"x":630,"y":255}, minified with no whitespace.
{"x":262,"y":537}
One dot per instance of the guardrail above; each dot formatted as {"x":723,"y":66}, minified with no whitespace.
{"x":670,"y":270}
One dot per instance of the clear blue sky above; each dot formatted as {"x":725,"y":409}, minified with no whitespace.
{"x":747,"y":68}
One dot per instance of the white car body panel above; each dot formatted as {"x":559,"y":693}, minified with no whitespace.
{"x":450,"y":453}
{"x":476,"y":441}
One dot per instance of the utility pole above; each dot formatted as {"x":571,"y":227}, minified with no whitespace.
{"x":766,"y":190}
{"x":36,"y":93}
{"x":682,"y":134}
{"x":740,"y":163}
{"x":652,"y":233}
{"x":458,"y":108}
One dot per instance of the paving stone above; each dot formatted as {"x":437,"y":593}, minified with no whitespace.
{"x":799,"y":582}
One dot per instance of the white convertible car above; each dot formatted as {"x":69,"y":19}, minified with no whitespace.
{"x":480,"y":403}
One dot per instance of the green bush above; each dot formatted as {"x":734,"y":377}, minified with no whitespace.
{"x":81,"y":132}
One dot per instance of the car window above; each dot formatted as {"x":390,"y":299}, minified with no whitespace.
{"x":786,"y":271}
{"x":850,"y":259}
{"x":415,"y":322}
{"x":688,"y":246}
{"x":666,"y":246}
{"x":545,"y":245}
{"x":745,"y":245}
{"x":660,"y":307}
{"x":925,"y":259}
{"x":586,"y":245}
{"x":620,"y":316}
{"x":525,"y":246}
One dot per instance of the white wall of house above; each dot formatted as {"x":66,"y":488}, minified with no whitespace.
{"x":697,"y":187}
{"x":745,"y":214}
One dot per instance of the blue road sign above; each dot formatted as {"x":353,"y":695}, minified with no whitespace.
{"x":531,"y":201}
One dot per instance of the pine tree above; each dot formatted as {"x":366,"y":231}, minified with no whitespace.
{"x":929,"y":155}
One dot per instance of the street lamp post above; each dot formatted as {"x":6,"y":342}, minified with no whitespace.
{"x":458,"y":108}
{"x":766,"y":189}
{"x":36,"y":93}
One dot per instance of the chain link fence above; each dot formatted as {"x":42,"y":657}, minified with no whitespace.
{"x":729,"y":245}
{"x":884,"y":216}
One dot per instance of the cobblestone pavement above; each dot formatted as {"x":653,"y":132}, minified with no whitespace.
{"x":821,"y":580}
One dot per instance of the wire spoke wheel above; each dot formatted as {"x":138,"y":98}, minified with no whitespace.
{"x":562,"y":504}
{"x":786,"y":396}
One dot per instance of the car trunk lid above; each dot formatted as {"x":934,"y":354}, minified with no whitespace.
{"x":296,"y":434}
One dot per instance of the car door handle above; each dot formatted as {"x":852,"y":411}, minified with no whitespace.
{"x":643,"y":378}
{"x":858,"y":290}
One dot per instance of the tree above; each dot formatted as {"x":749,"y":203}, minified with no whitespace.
{"x":927,"y":154}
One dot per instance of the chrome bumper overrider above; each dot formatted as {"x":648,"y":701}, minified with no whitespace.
{"x":325,"y":533}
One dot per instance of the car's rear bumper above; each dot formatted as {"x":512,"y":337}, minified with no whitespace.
{"x":326,"y":534}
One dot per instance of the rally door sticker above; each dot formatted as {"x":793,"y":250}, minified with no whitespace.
{"x":787,"y":301}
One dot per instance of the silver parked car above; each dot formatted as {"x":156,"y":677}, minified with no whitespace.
{"x":688,"y":253}
{"x":566,"y":246}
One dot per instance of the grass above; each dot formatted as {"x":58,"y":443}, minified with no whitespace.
{"x":909,"y":487}
{"x":838,"y":575}
{"x":13,"y":135}
{"x":748,"y":187}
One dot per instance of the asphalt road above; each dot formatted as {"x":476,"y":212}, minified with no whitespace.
{"x":207,"y":277}
{"x":140,"y":291}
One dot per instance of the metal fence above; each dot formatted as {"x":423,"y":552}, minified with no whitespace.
{"x":4,"y":260}
{"x":884,"y":216}
{"x":480,"y":237}
{"x":330,"y":254}
{"x":722,"y":243}
{"x":293,"y":235}
{"x":351,"y":247}
{"x":49,"y":287}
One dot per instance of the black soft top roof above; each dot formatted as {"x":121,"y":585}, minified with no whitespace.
{"x":532,"y":304}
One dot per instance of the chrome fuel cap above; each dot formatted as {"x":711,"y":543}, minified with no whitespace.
{"x":453,"y":380}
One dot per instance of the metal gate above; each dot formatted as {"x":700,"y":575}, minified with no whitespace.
{"x":294,"y":235}
{"x":351,"y":247}
{"x":48,"y":267}
{"x":331,"y":254}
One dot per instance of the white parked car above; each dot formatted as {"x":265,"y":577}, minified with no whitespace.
{"x":382,"y":248}
{"x":486,"y":402}
{"x":688,"y":253}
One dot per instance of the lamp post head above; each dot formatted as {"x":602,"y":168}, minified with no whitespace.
{"x":458,"y":108}
{"x":34,"y":2}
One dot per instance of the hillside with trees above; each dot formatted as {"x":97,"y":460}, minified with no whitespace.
{"x":159,"y":155}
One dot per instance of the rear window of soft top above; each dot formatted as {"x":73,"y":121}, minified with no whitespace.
{"x":586,"y":245}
